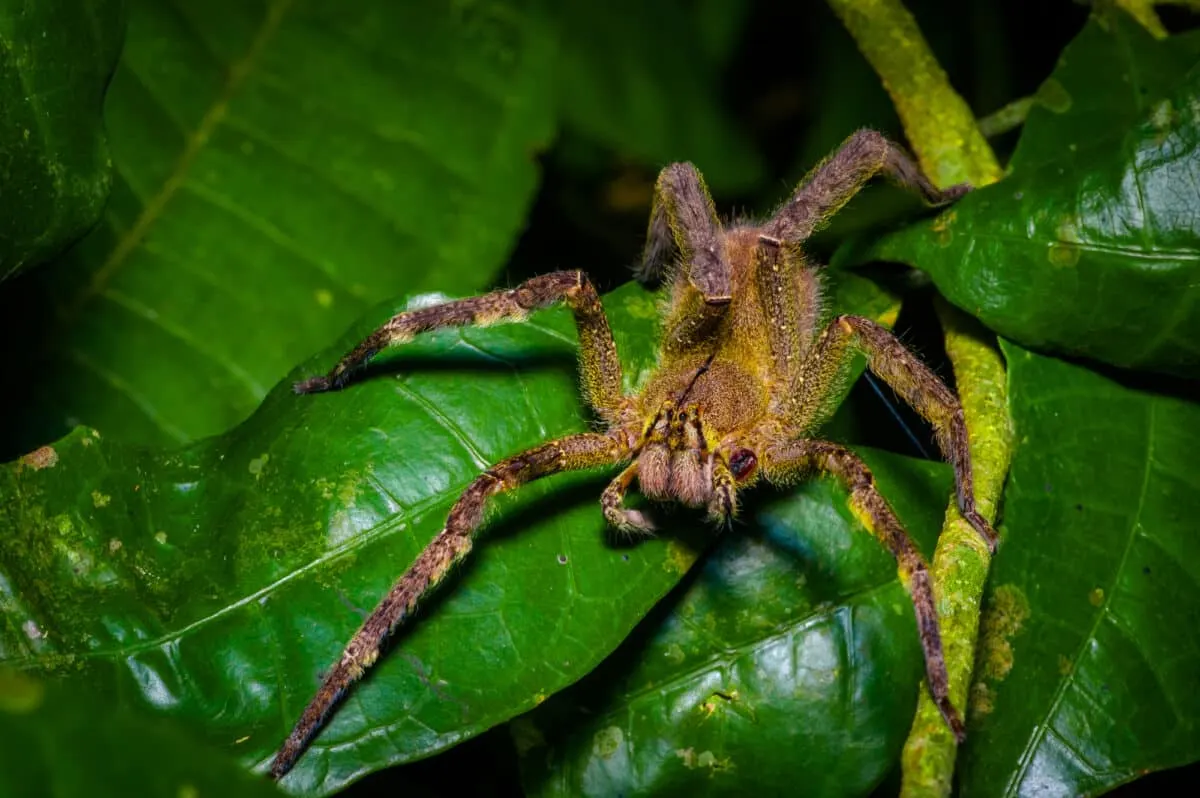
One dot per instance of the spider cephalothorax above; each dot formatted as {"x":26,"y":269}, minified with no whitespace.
{"x":748,"y":367}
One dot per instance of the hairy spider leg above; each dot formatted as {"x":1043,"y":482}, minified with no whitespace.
{"x":599,"y":366}
{"x":910,"y":378}
{"x":683,"y":222}
{"x":632,"y":523}
{"x":452,"y":544}
{"x":834,"y":181}
{"x":794,"y":461}
{"x":790,"y":297}
{"x":683,"y":218}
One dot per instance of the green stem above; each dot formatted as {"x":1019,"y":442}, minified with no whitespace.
{"x":1143,"y":11}
{"x":1005,"y":119}
{"x":940,"y":126}
{"x":961,"y":560}
{"x":951,"y":148}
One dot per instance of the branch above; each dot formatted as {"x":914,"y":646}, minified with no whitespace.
{"x":951,"y":148}
{"x":940,"y":126}
{"x":961,"y":560}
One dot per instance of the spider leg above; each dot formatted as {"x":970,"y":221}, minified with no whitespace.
{"x":683,"y":214}
{"x":599,"y":366}
{"x":451,"y":545}
{"x":684,"y":220}
{"x":834,"y":181}
{"x":722,"y":507}
{"x":911,"y":379}
{"x":633,"y":523}
{"x":790,"y":298}
{"x":789,"y":462}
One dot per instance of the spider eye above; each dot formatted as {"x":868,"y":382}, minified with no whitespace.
{"x":742,"y":462}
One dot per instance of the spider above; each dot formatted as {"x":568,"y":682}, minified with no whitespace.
{"x":746,"y":371}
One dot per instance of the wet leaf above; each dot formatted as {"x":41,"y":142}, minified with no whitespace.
{"x":56,"y":57}
{"x":1090,"y":246}
{"x":1090,"y":643}
{"x":281,"y":167}
{"x":214,"y":583}
{"x":791,"y":657}
{"x":58,"y":739}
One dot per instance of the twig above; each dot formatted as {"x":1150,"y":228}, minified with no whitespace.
{"x":941,"y":128}
{"x":1005,"y":119}
{"x":961,"y":560}
{"x":951,"y":148}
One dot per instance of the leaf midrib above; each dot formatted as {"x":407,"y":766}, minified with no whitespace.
{"x":194,"y":144}
{"x":1043,"y":727}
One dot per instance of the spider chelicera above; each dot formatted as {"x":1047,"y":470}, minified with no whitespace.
{"x":748,"y":367}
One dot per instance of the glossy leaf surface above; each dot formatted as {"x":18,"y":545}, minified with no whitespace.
{"x":1091,"y":638}
{"x":281,"y":167}
{"x":56,"y":57}
{"x":1090,"y":246}
{"x":215,"y":583}
{"x":791,"y":657}
{"x":57,"y":739}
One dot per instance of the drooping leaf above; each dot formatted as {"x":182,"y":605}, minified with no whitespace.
{"x":56,"y":57}
{"x":789,"y":658}
{"x":214,"y":583}
{"x":642,"y":79}
{"x":1090,"y":642}
{"x":281,"y":166}
{"x":1090,"y":246}
{"x":58,"y":739}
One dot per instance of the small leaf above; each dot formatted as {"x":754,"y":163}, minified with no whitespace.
{"x":791,"y":657}
{"x":62,"y":740}
{"x":56,"y":57}
{"x":216,"y":582}
{"x":1090,"y":642}
{"x":1090,"y":246}
{"x":281,"y":167}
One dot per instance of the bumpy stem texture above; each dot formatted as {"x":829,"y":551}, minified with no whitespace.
{"x":943,"y":133}
{"x":941,"y":128}
{"x":960,"y":562}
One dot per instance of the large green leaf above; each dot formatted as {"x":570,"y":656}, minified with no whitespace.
{"x":214,"y":583}
{"x":56,"y":57}
{"x":1090,"y":246}
{"x":281,"y":166}
{"x":58,"y":739}
{"x":790,"y":658}
{"x":643,"y":78}
{"x":1090,"y":646}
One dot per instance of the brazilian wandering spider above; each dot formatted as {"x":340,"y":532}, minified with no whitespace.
{"x":747,"y":368}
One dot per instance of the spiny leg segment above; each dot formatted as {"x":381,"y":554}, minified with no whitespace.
{"x":910,"y":378}
{"x":794,"y":461}
{"x":599,"y":366}
{"x":633,"y":523}
{"x":451,"y":545}
{"x":833,"y":182}
{"x":683,"y":220}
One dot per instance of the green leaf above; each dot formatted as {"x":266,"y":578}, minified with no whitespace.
{"x":56,"y":57}
{"x":643,"y":79}
{"x":214,"y":583}
{"x":791,"y":657}
{"x":1090,"y":642}
{"x":281,"y":167}
{"x":58,"y":739}
{"x":1090,"y":246}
